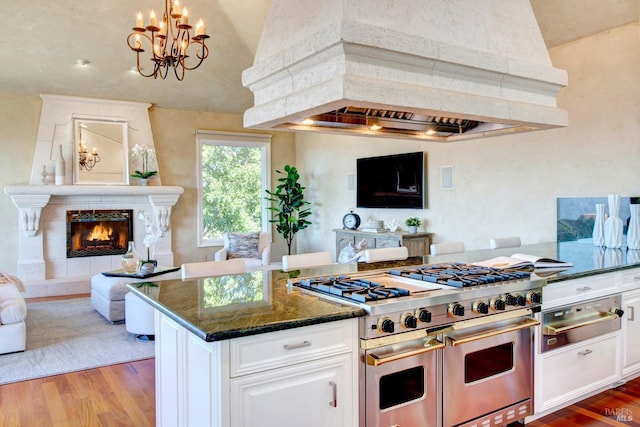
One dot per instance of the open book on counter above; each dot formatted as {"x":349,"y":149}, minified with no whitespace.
{"x":524,"y":260}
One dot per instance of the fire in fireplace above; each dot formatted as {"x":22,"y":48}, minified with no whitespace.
{"x":98,"y":232}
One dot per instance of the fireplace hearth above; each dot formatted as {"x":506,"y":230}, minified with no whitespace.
{"x":98,"y":232}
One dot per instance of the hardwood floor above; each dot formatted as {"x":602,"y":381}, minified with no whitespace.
{"x":116,"y":395}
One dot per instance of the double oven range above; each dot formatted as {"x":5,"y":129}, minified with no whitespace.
{"x":441,"y":345}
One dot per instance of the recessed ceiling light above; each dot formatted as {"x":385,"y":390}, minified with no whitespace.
{"x":82,"y":62}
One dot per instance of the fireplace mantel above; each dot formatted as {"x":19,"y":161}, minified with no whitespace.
{"x":42,"y":262}
{"x":30,"y":199}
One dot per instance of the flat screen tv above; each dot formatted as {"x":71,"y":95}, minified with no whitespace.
{"x":395,"y":181}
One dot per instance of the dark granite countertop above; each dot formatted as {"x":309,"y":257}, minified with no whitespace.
{"x":225,"y":307}
{"x":219,"y":308}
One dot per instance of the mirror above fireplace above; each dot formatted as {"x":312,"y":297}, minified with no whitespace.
{"x":100,"y":152}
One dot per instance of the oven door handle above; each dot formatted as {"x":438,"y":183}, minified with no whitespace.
{"x":526,"y":323}
{"x":550,"y":330}
{"x":373,"y":360}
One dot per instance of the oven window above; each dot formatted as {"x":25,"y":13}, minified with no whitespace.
{"x":401,"y":387}
{"x":488,"y":362}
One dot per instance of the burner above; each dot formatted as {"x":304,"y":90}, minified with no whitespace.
{"x":360,"y":290}
{"x":459,"y":275}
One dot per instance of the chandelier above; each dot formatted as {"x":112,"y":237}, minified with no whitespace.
{"x":87,"y":160}
{"x":170,"y":42}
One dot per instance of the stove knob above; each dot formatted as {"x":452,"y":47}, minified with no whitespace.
{"x":456,"y":309}
{"x":534,"y":297}
{"x":509,"y":299}
{"x":480,"y":307}
{"x":520,"y":300}
{"x":618,"y":312}
{"x":424,"y":315}
{"x":386,"y":325}
{"x":497,"y":304}
{"x":409,"y":321}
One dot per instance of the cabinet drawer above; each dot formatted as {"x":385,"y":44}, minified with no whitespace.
{"x":577,"y":370}
{"x":578,"y":290}
{"x":272,"y":350}
{"x":387,"y":243}
{"x":630,"y":279}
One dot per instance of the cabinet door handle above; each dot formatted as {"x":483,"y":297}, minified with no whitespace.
{"x":583,"y":289}
{"x":334,"y":394}
{"x":299,"y":345}
{"x":631,"y":313}
{"x":584,"y":353}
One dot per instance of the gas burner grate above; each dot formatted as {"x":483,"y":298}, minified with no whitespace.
{"x":359,"y":290}
{"x":460,"y":275}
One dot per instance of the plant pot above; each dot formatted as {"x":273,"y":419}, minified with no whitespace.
{"x":143,"y":181}
{"x":413,"y":229}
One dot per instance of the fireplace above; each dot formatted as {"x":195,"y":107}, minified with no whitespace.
{"x":98,"y":232}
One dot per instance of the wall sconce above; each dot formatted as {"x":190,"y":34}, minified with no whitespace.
{"x":87,"y":160}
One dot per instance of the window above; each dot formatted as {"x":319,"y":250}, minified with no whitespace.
{"x":233,"y":174}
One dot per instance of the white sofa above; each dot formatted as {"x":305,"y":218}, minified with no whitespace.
{"x":13,"y":313}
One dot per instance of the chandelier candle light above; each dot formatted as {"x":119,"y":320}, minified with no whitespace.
{"x":170,"y":41}
{"x":87,"y":160}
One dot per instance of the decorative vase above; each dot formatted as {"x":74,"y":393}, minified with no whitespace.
{"x":633,"y":232}
{"x":598,"y":226}
{"x":131,"y":260}
{"x":413,"y":229}
{"x":143,"y":181}
{"x":147,"y":267}
{"x":613,"y":224}
{"x":60,"y":167}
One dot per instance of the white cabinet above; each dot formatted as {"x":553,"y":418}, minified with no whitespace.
{"x":312,"y":394}
{"x":572,"y":372}
{"x":301,"y":376}
{"x":631,"y":333}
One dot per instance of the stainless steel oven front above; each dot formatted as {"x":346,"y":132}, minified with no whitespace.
{"x":401,"y":381}
{"x":488,"y":371}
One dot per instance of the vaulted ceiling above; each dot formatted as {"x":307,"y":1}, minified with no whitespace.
{"x":42,"y":40}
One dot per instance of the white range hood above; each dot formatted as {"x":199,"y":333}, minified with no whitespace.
{"x":424,"y":69}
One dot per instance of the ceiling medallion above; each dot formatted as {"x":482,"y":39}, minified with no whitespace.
{"x":170,"y":42}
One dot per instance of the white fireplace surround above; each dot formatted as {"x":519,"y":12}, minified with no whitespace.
{"x":42,"y":262}
{"x":42,"y":242}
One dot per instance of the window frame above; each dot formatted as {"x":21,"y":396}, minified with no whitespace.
{"x":208,"y":137}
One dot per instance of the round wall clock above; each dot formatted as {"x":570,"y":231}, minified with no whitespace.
{"x":351,"y":221}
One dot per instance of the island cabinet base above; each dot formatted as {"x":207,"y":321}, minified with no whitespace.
{"x":301,"y":376}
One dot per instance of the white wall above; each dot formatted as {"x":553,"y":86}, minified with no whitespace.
{"x":503,"y":185}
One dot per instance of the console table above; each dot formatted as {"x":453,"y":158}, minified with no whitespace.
{"x":417,"y":243}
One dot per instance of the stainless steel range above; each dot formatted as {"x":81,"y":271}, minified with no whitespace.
{"x":443,"y":344}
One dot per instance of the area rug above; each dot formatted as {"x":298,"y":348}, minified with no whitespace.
{"x":66,"y":336}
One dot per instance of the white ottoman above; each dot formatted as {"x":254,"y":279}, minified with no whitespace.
{"x":139,"y":317}
{"x":107,"y":293}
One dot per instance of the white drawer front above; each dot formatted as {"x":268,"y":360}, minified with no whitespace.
{"x":571,"y":291}
{"x":630,"y":279}
{"x":576,"y":370}
{"x":268,"y":351}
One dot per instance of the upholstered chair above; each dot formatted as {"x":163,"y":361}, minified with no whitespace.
{"x":253,"y":248}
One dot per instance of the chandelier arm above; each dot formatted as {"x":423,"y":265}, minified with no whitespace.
{"x":201,"y":55}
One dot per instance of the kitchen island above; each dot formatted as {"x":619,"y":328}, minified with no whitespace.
{"x":248,"y":350}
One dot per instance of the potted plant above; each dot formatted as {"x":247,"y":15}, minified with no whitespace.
{"x":290,"y":210}
{"x":413,"y":223}
{"x":143,"y":155}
